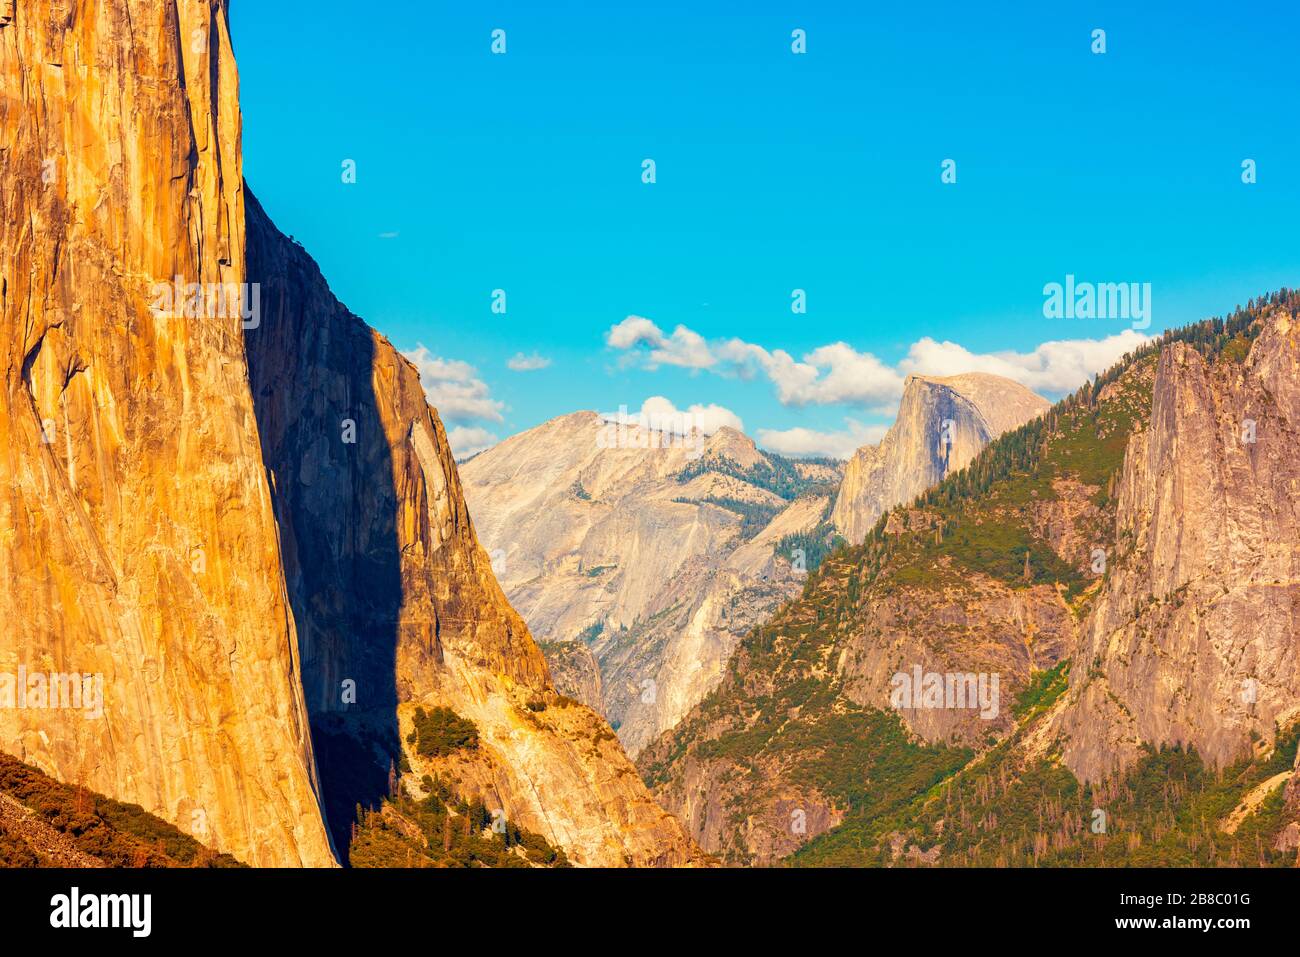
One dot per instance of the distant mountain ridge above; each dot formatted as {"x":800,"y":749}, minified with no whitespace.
{"x":661,"y":550}
{"x":657,"y":550}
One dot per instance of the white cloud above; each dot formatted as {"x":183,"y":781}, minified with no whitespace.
{"x":829,"y":375}
{"x":522,"y":363}
{"x":837,"y":374}
{"x":470,"y":440}
{"x":631,"y":331}
{"x":684,"y":348}
{"x":454,"y":389}
{"x":1054,"y":367}
{"x":809,"y":442}
{"x":661,"y":415}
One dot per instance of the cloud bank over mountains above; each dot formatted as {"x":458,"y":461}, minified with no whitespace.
{"x":661,"y":415}
{"x":1052,"y":369}
{"x":831,"y":374}
{"x":837,"y":374}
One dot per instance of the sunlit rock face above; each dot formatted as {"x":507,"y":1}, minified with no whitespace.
{"x":137,"y":538}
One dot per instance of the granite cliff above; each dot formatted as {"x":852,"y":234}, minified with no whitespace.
{"x":396,"y":602}
{"x":1193,"y":640}
{"x":137,"y":536}
{"x":226,"y":498}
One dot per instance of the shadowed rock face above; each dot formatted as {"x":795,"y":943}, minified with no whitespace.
{"x":392,"y":591}
{"x":621,"y":543}
{"x":1193,"y":639}
{"x":942,"y":424}
{"x":137,"y":538}
{"x":182,"y":508}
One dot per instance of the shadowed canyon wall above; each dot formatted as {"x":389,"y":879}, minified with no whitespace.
{"x":395,"y":597}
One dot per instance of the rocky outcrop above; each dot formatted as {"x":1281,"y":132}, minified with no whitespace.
{"x":576,"y":673}
{"x":396,"y":602}
{"x":825,"y":709}
{"x":1143,"y":532}
{"x":981,"y":628}
{"x":658,"y":550}
{"x":942,"y":424}
{"x":137,"y":537}
{"x":1193,"y":639}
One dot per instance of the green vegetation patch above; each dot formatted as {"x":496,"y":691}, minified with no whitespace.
{"x":119,"y":834}
{"x":1043,"y":690}
{"x":776,"y":474}
{"x":1165,"y":811}
{"x":755,"y":516}
{"x":441,"y":731}
{"x":442,"y":830}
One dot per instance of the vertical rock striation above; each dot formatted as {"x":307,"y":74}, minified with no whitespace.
{"x":137,"y":538}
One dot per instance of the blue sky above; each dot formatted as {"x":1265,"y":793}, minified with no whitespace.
{"x":774,"y":172}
